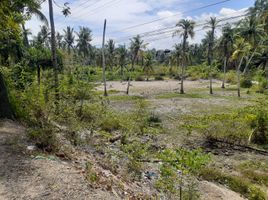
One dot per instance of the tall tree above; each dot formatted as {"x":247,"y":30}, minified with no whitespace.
{"x":83,"y":41}
{"x":212,"y":24}
{"x":110,"y":46}
{"x":148,"y":65}
{"x":136,"y":43}
{"x":54,"y":53}
{"x":122,"y":58}
{"x":226,"y":44}
{"x":69,"y":38}
{"x":241,"y":50}
{"x":185,"y":29}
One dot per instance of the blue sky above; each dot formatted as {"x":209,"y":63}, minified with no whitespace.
{"x":121,"y":14}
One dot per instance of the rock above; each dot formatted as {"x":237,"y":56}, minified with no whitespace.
{"x":31,"y":148}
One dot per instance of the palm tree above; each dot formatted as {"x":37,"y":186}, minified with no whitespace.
{"x":136,"y":44}
{"x":111,"y":51}
{"x":148,"y":64}
{"x":122,"y":57}
{"x":226,"y":44}
{"x":32,"y":8}
{"x":59,"y":38}
{"x":83,"y":41}
{"x":253,"y":32}
{"x":69,"y":38}
{"x":241,"y":49}
{"x":186,"y":29}
{"x":212,"y":24}
{"x":53,"y":50}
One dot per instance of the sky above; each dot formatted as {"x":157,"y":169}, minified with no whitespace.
{"x":127,"y":18}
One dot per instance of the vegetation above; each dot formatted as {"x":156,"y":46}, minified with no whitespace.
{"x":51,"y":83}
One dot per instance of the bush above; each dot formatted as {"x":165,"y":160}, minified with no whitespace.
{"x":159,"y":78}
{"x":236,"y":183}
{"x":245,"y":83}
{"x":231,"y":77}
{"x":139,"y":78}
{"x":44,"y":138}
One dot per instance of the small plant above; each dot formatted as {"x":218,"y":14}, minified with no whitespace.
{"x":91,"y":174}
{"x":177,"y":169}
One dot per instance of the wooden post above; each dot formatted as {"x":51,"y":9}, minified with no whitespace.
{"x":103,"y":60}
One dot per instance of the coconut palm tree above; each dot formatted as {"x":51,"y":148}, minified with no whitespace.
{"x":69,"y":38}
{"x":32,"y":8}
{"x":122,"y":58}
{"x":226,"y":44}
{"x":185,"y":29}
{"x":242,"y":48}
{"x":60,"y":43}
{"x":253,"y":32}
{"x":83,"y":41}
{"x":136,"y":44}
{"x":148,"y":64}
{"x":212,"y":24}
{"x":110,"y":46}
{"x":54,"y":54}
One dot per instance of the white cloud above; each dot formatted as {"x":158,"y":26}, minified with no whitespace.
{"x":127,"y":13}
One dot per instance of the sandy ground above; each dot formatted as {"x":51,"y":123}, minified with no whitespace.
{"x":148,"y":88}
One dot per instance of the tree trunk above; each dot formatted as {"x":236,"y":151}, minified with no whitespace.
{"x":128,"y":84}
{"x":103,"y":60}
{"x":25,"y":36}
{"x":249,"y":61}
{"x":224,"y":72}
{"x":182,"y":79}
{"x":238,"y":77}
{"x":5,"y":107}
{"x":38,"y":78}
{"x":54,"y":54}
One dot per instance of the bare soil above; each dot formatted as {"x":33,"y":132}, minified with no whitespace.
{"x":24,"y":177}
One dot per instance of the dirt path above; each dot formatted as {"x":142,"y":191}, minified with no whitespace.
{"x":23,"y":177}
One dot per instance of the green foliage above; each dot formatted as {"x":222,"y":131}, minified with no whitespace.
{"x":44,"y":138}
{"x":177,"y":168}
{"x":236,"y":183}
{"x":231,"y":77}
{"x":139,"y":78}
{"x":91,"y":174}
{"x":135,"y":151}
{"x":231,"y":127}
{"x":159,"y":78}
{"x":259,"y":123}
{"x":246,"y":82}
{"x":201,"y":72}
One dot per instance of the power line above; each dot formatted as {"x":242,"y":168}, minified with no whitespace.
{"x":160,"y":19}
{"x":162,"y":31}
{"x":104,"y":5}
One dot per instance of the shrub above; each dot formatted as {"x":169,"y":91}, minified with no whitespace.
{"x":44,"y":138}
{"x":236,"y":183}
{"x":231,"y":77}
{"x":229,"y":127}
{"x":245,"y":83}
{"x":158,"y":78}
{"x":139,"y":78}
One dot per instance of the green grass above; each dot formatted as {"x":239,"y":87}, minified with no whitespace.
{"x":175,"y":95}
{"x":124,"y":98}
{"x":235,"y":183}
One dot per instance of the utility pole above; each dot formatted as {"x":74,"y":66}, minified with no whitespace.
{"x":103,"y":60}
